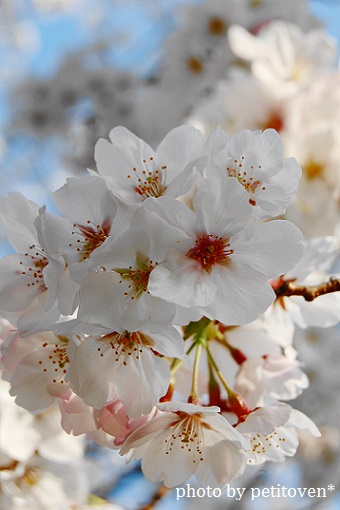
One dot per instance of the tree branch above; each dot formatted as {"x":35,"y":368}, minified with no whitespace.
{"x":161,"y":492}
{"x":289,"y":288}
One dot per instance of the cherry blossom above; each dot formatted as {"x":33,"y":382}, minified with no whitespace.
{"x":273,"y":377}
{"x":230,"y":257}
{"x":114,"y":420}
{"x":135,"y":172}
{"x":92,"y":216}
{"x":23,"y":292}
{"x":272,"y":432}
{"x":256,"y":160}
{"x":282,"y":55}
{"x":197,"y":439}
{"x":163,"y":307}
{"x":39,"y":375}
{"x":117,"y":293}
{"x":125,"y":365}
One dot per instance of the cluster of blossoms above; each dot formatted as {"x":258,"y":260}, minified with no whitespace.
{"x":171,"y":309}
{"x":158,"y":310}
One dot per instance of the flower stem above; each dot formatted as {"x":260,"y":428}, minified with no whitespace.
{"x":176,"y":362}
{"x":194,"y":397}
{"x":219,"y":373}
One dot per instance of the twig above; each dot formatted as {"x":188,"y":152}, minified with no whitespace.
{"x":161,"y":492}
{"x":289,"y":288}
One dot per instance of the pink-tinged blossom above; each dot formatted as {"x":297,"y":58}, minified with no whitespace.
{"x":225,"y":270}
{"x":114,"y":420}
{"x":76,"y":416}
{"x":185,"y":440}
{"x":255,"y":160}
{"x":134,"y":172}
{"x":125,"y":365}
{"x":272,"y":432}
{"x":23,"y":291}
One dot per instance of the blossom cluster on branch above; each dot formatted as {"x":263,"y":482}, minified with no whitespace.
{"x":158,"y":260}
{"x":157,"y":313}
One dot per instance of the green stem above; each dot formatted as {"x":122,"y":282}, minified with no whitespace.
{"x":176,"y":362}
{"x":219,"y":373}
{"x":194,"y":397}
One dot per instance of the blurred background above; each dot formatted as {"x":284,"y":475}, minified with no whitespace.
{"x":73,"y":69}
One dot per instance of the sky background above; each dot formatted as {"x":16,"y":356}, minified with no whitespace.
{"x":33,"y":42}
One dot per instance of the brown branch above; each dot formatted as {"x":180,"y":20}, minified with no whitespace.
{"x":289,"y":288}
{"x":161,"y":492}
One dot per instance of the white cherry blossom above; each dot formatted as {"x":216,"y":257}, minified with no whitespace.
{"x":91,"y":218}
{"x":231,"y":105}
{"x":282,"y":56}
{"x":197,"y":440}
{"x":23,"y":291}
{"x":256,"y":160}
{"x":271,"y":432}
{"x":125,"y":365}
{"x":39,"y":375}
{"x":230,"y":258}
{"x":272,"y":377}
{"x":117,"y":293}
{"x":135,"y":172}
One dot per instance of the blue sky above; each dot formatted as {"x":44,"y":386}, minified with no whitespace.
{"x":59,"y":35}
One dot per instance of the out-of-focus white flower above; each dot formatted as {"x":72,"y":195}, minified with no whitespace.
{"x":262,"y":380}
{"x":230,"y":104}
{"x":55,"y":5}
{"x":312,"y":135}
{"x":40,"y":463}
{"x":18,"y":438}
{"x":35,"y":487}
{"x":319,"y":350}
{"x":26,"y":36}
{"x":261,"y":11}
{"x":197,"y":440}
{"x":282,"y":56}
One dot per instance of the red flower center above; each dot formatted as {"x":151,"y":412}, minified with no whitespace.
{"x":210,"y":250}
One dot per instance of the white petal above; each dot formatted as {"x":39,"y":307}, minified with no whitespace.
{"x":182,"y":281}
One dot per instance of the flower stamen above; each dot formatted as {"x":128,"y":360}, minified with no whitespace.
{"x":151,"y":182}
{"x":91,"y":237}
{"x":210,"y":250}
